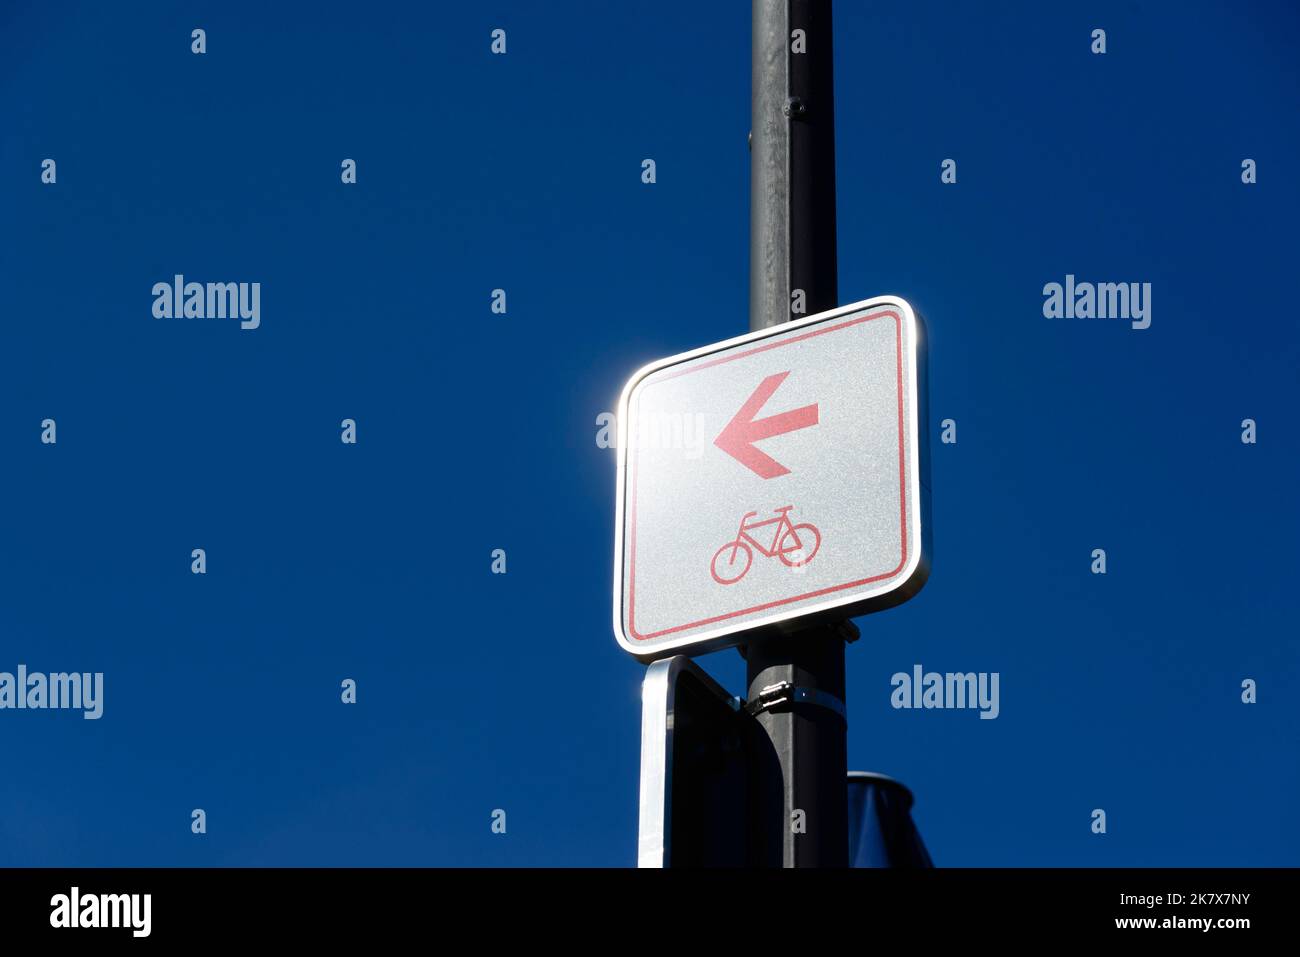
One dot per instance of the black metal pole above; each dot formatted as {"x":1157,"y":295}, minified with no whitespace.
{"x":794,"y":681}
{"x":792,"y":162}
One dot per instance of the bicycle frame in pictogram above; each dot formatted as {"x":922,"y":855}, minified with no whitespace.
{"x":794,"y":544}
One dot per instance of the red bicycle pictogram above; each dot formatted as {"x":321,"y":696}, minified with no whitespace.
{"x":788,"y":544}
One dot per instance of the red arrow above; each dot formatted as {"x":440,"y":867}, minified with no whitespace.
{"x":738,"y":438}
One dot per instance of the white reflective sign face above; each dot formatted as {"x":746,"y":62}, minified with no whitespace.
{"x":770,"y":478}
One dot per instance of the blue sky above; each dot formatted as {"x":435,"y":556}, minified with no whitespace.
{"x":477,"y":431}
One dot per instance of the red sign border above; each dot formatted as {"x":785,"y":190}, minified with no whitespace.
{"x":902,"y":481}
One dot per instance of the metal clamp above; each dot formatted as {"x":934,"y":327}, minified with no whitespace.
{"x":783,"y":692}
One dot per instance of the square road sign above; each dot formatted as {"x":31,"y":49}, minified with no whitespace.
{"x":772,"y":480}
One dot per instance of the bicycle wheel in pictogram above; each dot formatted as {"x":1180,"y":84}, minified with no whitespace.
{"x":799,"y":544}
{"x":730,"y":563}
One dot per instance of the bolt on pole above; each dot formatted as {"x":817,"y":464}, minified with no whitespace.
{"x":799,"y":811}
